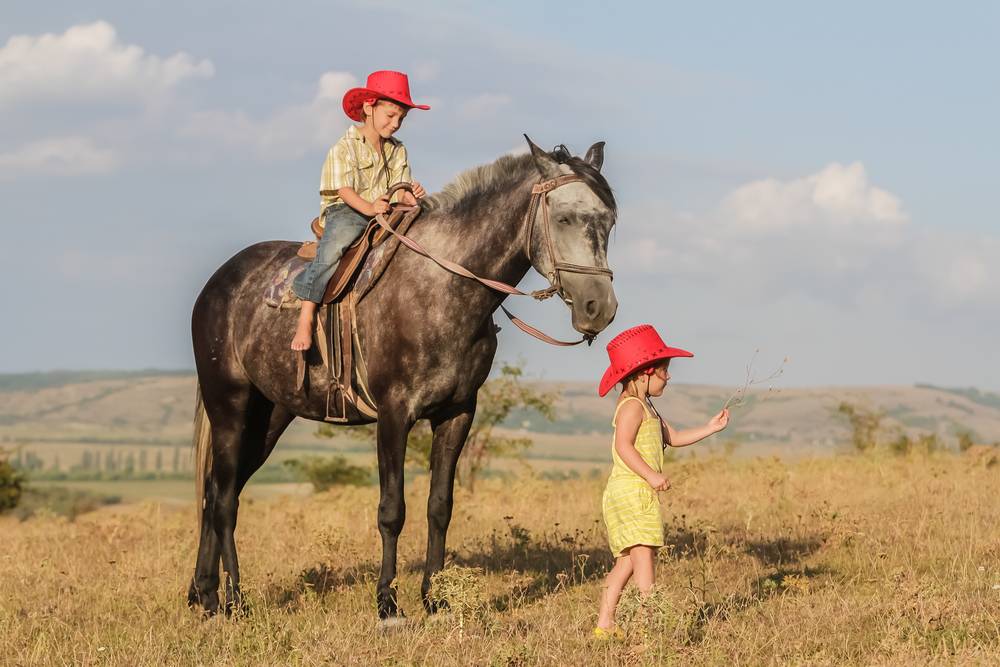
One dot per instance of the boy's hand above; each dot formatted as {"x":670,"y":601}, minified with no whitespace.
{"x":719,"y":421}
{"x":658,"y":482}
{"x":418,"y":190}
{"x":380,"y":205}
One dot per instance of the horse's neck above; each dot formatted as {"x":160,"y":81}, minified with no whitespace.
{"x":491,"y":246}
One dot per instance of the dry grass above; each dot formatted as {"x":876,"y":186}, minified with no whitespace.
{"x":837,"y":561}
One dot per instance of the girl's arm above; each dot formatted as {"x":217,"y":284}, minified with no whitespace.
{"x":628,"y":422}
{"x":689,"y":436}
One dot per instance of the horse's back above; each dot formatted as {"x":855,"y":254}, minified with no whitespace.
{"x":258,"y":258}
{"x":233,"y":293}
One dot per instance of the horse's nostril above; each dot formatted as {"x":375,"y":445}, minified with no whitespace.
{"x":592,"y":308}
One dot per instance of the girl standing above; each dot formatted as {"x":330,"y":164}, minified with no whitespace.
{"x":639,"y":361}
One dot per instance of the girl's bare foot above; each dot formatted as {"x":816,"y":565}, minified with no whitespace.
{"x":303,"y":331}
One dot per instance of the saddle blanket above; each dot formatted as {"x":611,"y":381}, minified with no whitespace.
{"x":278,"y":293}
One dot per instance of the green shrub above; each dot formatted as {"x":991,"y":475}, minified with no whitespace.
{"x":965,"y":440}
{"x":865,"y":424}
{"x":325,"y":473}
{"x":11,"y":481}
{"x":902,"y":445}
{"x":59,"y":500}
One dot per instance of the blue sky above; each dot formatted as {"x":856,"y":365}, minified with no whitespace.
{"x":814,"y":181}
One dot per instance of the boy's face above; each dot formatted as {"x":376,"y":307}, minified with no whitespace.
{"x":386,"y":117}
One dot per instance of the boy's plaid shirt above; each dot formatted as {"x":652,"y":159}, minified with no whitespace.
{"x":355,"y":163}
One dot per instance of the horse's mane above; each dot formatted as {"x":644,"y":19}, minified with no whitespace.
{"x":498,"y":177}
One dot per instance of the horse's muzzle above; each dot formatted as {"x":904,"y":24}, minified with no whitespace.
{"x":592,"y":300}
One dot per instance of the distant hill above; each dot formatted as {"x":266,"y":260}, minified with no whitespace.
{"x":32,"y":381}
{"x":156,"y":407}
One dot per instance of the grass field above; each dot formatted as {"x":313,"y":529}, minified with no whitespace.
{"x":841,"y":560}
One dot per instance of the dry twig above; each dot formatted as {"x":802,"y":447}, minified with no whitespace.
{"x":738,"y":398}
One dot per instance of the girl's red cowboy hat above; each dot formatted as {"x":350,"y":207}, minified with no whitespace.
{"x":393,"y":86}
{"x":633,"y":349}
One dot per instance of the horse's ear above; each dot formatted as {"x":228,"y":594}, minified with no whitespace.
{"x":595,"y":155}
{"x":547,"y":167}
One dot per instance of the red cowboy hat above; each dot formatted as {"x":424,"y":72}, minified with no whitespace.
{"x":631,"y":350}
{"x":393,"y":86}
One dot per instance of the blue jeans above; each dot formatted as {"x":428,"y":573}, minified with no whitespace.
{"x":342,"y":225}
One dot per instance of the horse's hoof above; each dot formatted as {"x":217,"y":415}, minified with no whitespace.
{"x":206,"y":603}
{"x":386,"y":604}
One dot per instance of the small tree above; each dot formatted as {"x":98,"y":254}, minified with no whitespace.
{"x":11,"y":480}
{"x":497,"y":399}
{"x":901,"y":445}
{"x":865,"y":424}
{"x":966,"y":440}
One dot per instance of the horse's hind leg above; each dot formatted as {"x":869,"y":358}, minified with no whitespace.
{"x":393,"y":428}
{"x":243,"y":434}
{"x":204,"y":589}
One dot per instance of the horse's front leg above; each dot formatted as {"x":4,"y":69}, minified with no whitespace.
{"x":450,"y":432}
{"x":393,"y":428}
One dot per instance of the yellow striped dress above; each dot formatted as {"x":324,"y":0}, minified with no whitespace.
{"x":631,"y":508}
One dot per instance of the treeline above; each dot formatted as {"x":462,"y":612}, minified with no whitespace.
{"x":869,"y":432}
{"x":110,"y":464}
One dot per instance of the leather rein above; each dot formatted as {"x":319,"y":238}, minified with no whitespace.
{"x":539,"y":199}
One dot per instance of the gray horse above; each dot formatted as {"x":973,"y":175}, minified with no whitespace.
{"x":428,"y":337}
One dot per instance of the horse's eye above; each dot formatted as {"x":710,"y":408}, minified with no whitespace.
{"x":563,"y":220}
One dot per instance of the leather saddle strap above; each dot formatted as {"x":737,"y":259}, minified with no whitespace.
{"x":347,"y":351}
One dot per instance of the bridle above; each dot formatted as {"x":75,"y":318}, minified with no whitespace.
{"x":539,"y":200}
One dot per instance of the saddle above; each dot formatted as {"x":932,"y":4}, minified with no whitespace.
{"x":336,"y":336}
{"x":355,"y":253}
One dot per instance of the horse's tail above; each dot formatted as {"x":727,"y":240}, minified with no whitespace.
{"x":202,"y":443}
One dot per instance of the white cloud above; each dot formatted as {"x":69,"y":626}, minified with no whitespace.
{"x":837,"y":195}
{"x":88,"y":63}
{"x":482,"y":106}
{"x":830,"y":235}
{"x":289,"y":133}
{"x":59,"y":155}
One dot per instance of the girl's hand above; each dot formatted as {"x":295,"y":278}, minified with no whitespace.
{"x":380,"y":205}
{"x":658,"y":482}
{"x":418,"y":190}
{"x":719,"y":421}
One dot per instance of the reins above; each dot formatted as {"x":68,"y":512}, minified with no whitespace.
{"x":539,"y":194}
